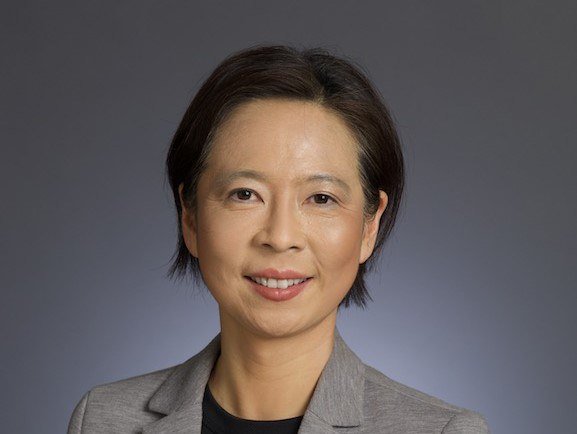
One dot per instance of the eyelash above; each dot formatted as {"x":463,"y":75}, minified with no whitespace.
{"x":233,"y":192}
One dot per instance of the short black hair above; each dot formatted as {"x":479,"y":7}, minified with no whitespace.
{"x":308,"y":74}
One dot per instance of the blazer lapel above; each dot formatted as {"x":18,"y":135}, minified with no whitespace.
{"x":337,"y":400}
{"x":179,"y":397}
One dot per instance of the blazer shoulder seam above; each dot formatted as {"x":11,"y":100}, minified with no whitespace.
{"x":448,"y":422}
{"x":87,"y":397}
{"x":478,"y":417}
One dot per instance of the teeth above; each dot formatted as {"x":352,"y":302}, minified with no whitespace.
{"x":277,"y":283}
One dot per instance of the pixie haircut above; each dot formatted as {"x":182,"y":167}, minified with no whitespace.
{"x":311,"y":74}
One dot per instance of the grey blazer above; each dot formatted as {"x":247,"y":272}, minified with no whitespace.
{"x":350,"y":397}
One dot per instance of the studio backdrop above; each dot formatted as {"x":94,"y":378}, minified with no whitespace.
{"x":474,"y":296}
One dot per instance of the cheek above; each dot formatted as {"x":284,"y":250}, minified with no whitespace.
{"x":337,"y":247}
{"x":219,"y":250}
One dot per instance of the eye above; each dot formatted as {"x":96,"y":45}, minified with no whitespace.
{"x":241,"y":197}
{"x":324,"y":199}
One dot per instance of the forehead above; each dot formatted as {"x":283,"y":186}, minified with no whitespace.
{"x":281,"y":133}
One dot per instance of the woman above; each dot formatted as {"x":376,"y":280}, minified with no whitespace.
{"x":287,"y":176}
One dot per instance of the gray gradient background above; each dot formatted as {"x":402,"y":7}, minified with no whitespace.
{"x":475,"y":296}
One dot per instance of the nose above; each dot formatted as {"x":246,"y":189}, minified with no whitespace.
{"x":283,"y":226}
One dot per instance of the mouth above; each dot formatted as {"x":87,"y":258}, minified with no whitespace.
{"x":278,"y":290}
{"x":276,"y":283}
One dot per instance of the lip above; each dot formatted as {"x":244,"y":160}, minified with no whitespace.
{"x":277,"y":294}
{"x":273,"y":273}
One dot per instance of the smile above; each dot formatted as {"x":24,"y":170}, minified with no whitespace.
{"x":276,"y":283}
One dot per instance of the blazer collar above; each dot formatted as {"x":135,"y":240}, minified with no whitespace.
{"x":337,"y":400}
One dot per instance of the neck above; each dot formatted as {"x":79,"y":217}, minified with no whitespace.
{"x":269,"y":378}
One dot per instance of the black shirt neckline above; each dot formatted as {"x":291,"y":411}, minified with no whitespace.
{"x":217,"y":420}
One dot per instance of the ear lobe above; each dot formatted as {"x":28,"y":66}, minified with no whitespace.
{"x":188,"y":224}
{"x":371,"y":228}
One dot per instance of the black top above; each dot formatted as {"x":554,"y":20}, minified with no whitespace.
{"x":216,"y":420}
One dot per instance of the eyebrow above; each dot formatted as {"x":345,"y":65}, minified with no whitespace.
{"x":225,"y":178}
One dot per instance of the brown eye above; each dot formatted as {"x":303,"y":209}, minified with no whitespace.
{"x":241,"y":194}
{"x":324,"y":198}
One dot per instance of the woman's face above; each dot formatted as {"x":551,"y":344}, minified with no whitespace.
{"x":281,"y":220}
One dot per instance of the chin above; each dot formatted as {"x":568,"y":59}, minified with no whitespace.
{"x":278,"y":325}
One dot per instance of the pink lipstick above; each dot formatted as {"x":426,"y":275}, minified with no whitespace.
{"x":278,"y":294}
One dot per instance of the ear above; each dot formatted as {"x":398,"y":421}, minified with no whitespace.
{"x":371,"y":229}
{"x":188,"y":225}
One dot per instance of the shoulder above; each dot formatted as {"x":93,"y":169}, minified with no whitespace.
{"x":118,"y":406}
{"x":405,"y":409}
